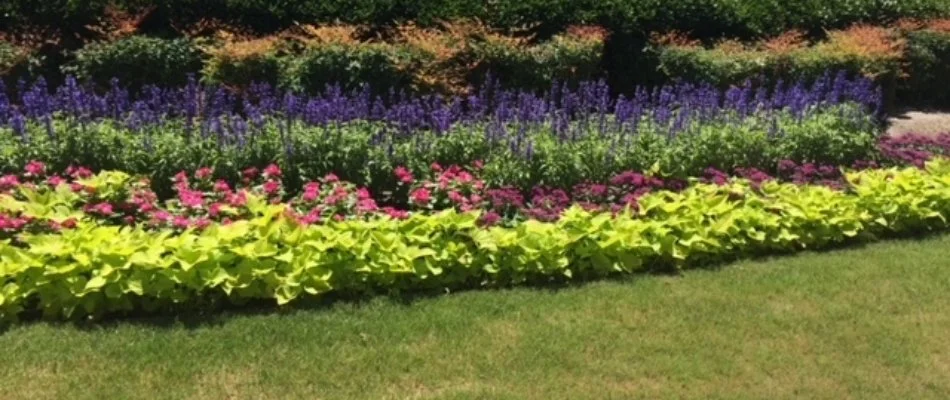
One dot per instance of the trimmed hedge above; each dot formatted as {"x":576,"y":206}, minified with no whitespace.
{"x":703,"y":17}
{"x":449,"y":61}
{"x":101,"y":269}
{"x":928,"y":70}
{"x":137,"y":61}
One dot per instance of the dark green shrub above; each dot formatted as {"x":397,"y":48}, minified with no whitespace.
{"x":928,"y":70}
{"x":381,"y":66}
{"x":569,"y":58}
{"x":137,"y":61}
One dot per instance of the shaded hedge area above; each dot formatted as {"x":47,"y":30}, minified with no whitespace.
{"x":742,"y":18}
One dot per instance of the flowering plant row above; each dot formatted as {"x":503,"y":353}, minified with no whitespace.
{"x":36,"y":201}
{"x":272,"y":255}
{"x":563,"y":138}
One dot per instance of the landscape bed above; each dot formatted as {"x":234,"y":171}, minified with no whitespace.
{"x":498,"y":188}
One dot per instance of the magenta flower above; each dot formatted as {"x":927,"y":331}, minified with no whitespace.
{"x":421,"y":197}
{"x":35,"y":168}
{"x":271,"y":171}
{"x":203,"y":173}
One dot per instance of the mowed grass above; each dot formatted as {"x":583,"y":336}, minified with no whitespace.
{"x":867,"y":323}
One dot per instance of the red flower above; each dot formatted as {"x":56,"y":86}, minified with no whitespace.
{"x":69,"y":223}
{"x":421,"y":197}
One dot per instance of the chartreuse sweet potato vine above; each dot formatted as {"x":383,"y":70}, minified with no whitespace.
{"x":96,"y":269}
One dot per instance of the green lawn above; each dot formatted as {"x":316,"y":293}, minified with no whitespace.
{"x":854,"y":324}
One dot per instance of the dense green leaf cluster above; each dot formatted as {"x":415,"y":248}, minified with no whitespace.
{"x":366,"y":153}
{"x":710,"y":17}
{"x":137,"y":61}
{"x":99,"y":269}
{"x":928,"y":69}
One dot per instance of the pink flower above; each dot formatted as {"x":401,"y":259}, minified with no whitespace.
{"x":129,"y":220}
{"x":104,"y":209}
{"x":456,"y":197}
{"x":312,"y":187}
{"x":436,"y":167}
{"x":203,"y":173}
{"x":272,"y":171}
{"x":161,"y":216}
{"x":181,"y":222}
{"x":35,"y":168}
{"x":362,"y":194}
{"x":366,"y":205}
{"x":310,"y":196}
{"x":490,"y":218}
{"x":214,"y":209}
{"x":403,"y":175}
{"x":478,"y":164}
{"x":9,"y":182}
{"x":271,"y":187}
{"x":396,"y":214}
{"x":330,"y":178}
{"x":421,"y":197}
{"x":191,"y":198}
{"x":78,"y":172}
{"x":202,"y":223}
{"x":55,"y":180}
{"x":251,"y":173}
{"x":465,"y":177}
{"x":476,"y":198}
{"x":181,"y":178}
{"x":338,"y":217}
{"x":221,"y":186}
{"x":238,"y":199}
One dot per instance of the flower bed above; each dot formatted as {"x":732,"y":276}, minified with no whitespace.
{"x":81,"y":260}
{"x":561,"y":139}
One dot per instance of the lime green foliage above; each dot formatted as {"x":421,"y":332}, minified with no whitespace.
{"x":96,"y":269}
{"x":863,"y":323}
